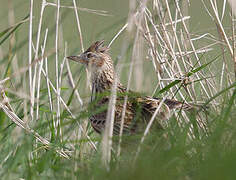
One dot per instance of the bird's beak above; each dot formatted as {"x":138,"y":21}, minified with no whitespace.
{"x":81,"y":59}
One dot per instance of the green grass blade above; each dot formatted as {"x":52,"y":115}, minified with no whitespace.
{"x":219,"y":93}
{"x":169,"y":86}
{"x":230,"y":105}
{"x":12,"y":30}
{"x":202,"y":66}
{"x":188,"y":74}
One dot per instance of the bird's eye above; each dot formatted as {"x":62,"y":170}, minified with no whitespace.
{"x":89,"y":55}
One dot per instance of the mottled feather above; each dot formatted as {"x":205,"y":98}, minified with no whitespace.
{"x":139,"y":109}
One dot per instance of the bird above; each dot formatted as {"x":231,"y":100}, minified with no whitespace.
{"x":139,"y":108}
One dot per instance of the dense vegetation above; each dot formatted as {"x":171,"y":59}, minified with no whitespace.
{"x":160,"y":48}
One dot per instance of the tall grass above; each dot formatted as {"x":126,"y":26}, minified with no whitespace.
{"x":44,"y":127}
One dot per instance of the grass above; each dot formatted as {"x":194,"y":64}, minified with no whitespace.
{"x":44,"y":128}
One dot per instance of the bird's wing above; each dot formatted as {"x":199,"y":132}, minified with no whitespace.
{"x":150,"y":105}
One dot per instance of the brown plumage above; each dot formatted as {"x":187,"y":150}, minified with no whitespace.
{"x":139,"y":109}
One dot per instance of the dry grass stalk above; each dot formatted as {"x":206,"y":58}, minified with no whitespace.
{"x":6,"y":107}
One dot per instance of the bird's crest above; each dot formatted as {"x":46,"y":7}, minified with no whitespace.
{"x":98,"y":47}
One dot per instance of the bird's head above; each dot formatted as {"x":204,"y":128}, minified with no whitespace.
{"x":99,"y":65}
{"x":95,"y":58}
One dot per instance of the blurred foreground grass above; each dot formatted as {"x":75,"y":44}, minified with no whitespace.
{"x":185,"y":151}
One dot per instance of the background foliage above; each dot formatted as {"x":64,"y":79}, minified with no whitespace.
{"x":44,"y":129}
